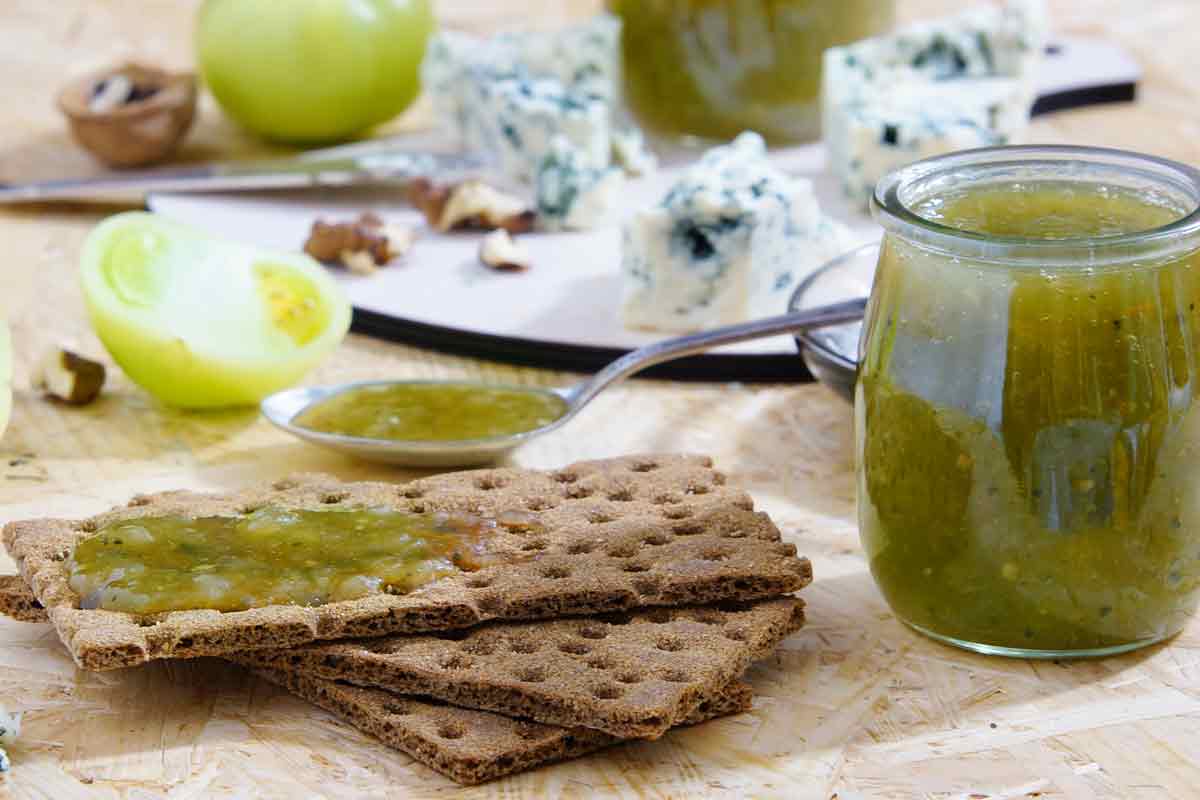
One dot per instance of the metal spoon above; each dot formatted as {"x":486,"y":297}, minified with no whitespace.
{"x":281,"y":408}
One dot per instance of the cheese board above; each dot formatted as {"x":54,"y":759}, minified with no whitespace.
{"x":563,"y":312}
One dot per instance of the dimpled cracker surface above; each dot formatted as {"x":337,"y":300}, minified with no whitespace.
{"x":632,"y":675}
{"x":596,"y":536}
{"x":465,"y":745}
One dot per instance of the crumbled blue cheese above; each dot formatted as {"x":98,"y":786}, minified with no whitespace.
{"x":517,"y":116}
{"x":929,"y":88}
{"x":729,"y":242}
{"x":10,"y":729}
{"x":571,"y":193}
{"x":629,"y":152}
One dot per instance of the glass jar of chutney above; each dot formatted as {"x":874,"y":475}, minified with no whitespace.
{"x":714,"y":68}
{"x":1027,"y":412}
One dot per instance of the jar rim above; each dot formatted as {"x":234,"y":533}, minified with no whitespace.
{"x":1179,"y":236}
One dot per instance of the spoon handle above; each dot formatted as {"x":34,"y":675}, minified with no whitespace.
{"x":668,"y":349}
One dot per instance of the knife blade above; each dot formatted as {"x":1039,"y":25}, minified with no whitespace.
{"x":352,"y":165}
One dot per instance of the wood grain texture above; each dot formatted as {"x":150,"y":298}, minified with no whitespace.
{"x":854,"y":706}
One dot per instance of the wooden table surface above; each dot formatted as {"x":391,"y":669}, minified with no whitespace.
{"x":854,"y":706}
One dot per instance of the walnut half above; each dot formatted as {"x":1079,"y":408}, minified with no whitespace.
{"x":67,"y":376}
{"x":470,"y":205}
{"x":500,"y":251}
{"x":360,"y":246}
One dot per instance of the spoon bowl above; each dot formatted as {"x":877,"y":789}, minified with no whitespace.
{"x":282,"y":408}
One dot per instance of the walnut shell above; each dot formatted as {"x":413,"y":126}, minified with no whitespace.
{"x":141,"y":131}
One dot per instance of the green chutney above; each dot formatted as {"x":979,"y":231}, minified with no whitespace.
{"x":1028,"y":437}
{"x":715,"y":68}
{"x":431,"y":412}
{"x":272,"y":556}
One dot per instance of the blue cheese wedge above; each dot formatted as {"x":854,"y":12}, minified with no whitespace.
{"x":729,"y":241}
{"x":513,"y":93}
{"x":571,"y":193}
{"x":585,"y":57}
{"x":988,"y":41}
{"x":582,"y":58}
{"x":869,"y":138}
{"x":930,"y":88}
{"x":517,"y":116}
{"x":439,"y":73}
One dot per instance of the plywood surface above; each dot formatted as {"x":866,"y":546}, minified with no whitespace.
{"x":854,"y":706}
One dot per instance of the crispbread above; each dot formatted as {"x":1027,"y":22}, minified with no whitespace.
{"x":610,"y":535}
{"x":465,"y":745}
{"x":18,"y":602}
{"x":633,"y":676}
{"x":473,"y":668}
{"x":489,"y":746}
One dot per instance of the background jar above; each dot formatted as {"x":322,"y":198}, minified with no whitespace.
{"x":714,"y":68}
{"x":1027,"y":425}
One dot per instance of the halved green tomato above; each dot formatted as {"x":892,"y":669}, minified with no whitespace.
{"x":201,"y":322}
{"x":5,"y":376}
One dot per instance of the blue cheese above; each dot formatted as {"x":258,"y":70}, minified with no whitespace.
{"x":448,"y":58}
{"x":988,"y":41}
{"x":869,"y":138}
{"x":572,"y":194}
{"x":629,"y":152}
{"x":729,"y":241}
{"x":930,"y":88}
{"x":517,"y":116}
{"x":585,"y":57}
{"x":582,"y":58}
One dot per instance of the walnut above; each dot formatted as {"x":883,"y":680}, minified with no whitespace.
{"x":360,"y":246}
{"x":67,"y":376}
{"x":501,"y":252}
{"x":131,"y":114}
{"x":470,"y":205}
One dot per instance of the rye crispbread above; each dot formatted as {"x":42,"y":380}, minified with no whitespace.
{"x":481,"y":746}
{"x":17,"y":600}
{"x":609,"y":535}
{"x":628,"y":651}
{"x":465,"y":745}
{"x":632,"y":675}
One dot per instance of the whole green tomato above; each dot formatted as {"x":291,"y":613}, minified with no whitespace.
{"x":308,"y":71}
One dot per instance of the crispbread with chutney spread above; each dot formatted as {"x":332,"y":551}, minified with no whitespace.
{"x":593,"y":537}
{"x":631,"y":674}
{"x":470,"y":746}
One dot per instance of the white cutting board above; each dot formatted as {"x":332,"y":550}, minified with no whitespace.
{"x":572,"y":293}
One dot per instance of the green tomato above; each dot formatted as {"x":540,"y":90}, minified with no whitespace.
{"x":201,"y":322}
{"x":5,"y":376}
{"x":310,"y":71}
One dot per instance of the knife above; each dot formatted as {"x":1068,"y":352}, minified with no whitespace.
{"x":372,"y":163}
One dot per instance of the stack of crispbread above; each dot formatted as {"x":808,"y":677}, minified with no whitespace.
{"x":629,"y":597}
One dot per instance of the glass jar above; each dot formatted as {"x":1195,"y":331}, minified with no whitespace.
{"x":714,"y":68}
{"x":1027,"y":425}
